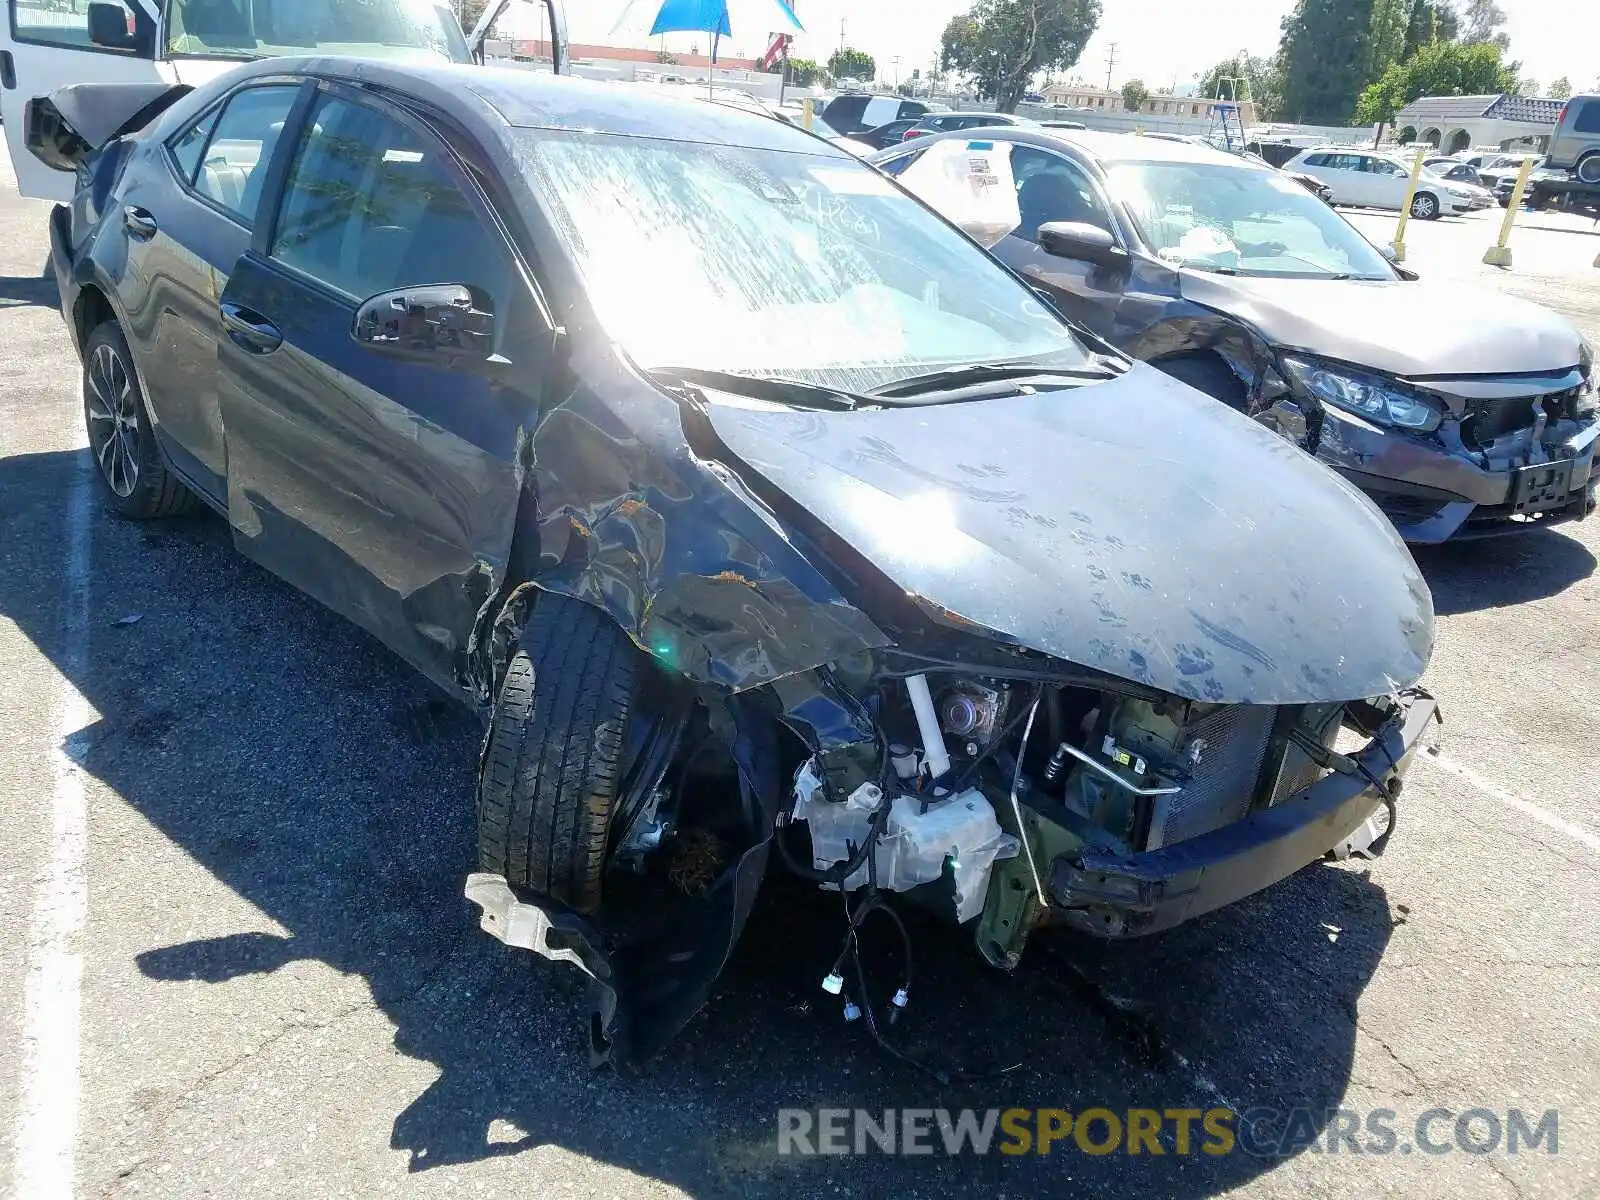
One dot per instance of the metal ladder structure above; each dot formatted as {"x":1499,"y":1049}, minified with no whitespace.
{"x":1227,"y":115}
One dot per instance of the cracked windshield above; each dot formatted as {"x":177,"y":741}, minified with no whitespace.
{"x":779,"y":265}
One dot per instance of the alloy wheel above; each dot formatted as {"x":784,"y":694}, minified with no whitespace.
{"x":114,"y":420}
{"x":1422,"y":206}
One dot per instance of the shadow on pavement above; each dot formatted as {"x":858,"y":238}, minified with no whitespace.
{"x":17,"y":290}
{"x":1499,"y":571}
{"x":310,"y":772}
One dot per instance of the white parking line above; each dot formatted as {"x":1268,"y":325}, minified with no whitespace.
{"x":47,"y":1115}
{"x":1544,"y":816}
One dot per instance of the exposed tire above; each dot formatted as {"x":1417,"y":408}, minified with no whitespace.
{"x":1425,"y":206}
{"x":1588,"y":168}
{"x":136,"y":480}
{"x":554,"y":759}
{"x":1209,"y":374}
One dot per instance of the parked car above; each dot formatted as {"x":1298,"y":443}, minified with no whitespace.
{"x":1371,"y":180}
{"x":946,"y":122}
{"x":1453,"y":169}
{"x":1575,"y":145}
{"x":1460,"y":412}
{"x":854,"y":115}
{"x":756,"y":509}
{"x":888,"y":135}
{"x":1499,"y":174}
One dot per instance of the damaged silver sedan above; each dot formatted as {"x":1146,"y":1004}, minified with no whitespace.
{"x":768,"y":521}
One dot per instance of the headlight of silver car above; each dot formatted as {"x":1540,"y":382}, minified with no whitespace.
{"x":1384,"y":401}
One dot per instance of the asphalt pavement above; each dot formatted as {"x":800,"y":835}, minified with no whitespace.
{"x":235,"y":959}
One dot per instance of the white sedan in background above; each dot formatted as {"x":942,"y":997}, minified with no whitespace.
{"x":1375,"y":180}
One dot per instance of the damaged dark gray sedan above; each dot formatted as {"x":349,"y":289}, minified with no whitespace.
{"x":765,"y":519}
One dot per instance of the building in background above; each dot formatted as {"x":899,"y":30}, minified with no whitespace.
{"x":1455,"y":123}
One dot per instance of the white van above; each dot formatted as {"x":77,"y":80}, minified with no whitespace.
{"x":46,"y":45}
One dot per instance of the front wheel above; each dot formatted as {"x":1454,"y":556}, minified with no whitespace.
{"x":554,"y":763}
{"x":121,"y":437}
{"x":1425,"y":206}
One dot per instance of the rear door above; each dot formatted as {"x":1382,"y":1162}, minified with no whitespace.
{"x":44,"y":45}
{"x":1386,"y":183}
{"x":185,"y":227}
{"x":381,"y":480}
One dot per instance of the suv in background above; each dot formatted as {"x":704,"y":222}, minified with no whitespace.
{"x":1379,"y":181}
{"x":859,"y":112}
{"x":1575,"y":145}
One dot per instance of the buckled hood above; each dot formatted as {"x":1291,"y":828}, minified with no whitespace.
{"x":1133,"y":526}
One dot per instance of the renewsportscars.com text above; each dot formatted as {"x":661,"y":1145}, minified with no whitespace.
{"x":1258,"y":1132}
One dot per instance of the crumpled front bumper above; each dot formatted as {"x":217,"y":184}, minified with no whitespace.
{"x":1112,"y":894}
{"x":1433,"y":494}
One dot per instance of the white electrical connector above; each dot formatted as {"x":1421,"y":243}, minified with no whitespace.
{"x":934,"y":755}
{"x":833,"y":984}
{"x":852,"y":1010}
{"x":901,"y":998}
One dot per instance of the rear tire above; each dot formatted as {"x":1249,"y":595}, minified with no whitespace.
{"x":1588,"y":168}
{"x":121,"y":438}
{"x":1425,"y":206}
{"x":554,"y":759}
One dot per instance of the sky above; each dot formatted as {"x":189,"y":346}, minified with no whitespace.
{"x":1158,"y":41}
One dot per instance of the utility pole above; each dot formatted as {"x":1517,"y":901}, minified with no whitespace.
{"x":1111,"y":62}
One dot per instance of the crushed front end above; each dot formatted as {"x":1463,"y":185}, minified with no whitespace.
{"x":1011,"y":802}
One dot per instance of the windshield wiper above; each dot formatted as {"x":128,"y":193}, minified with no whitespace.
{"x":760,"y":387}
{"x":979,"y":373}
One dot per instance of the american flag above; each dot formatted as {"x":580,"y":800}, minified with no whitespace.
{"x":777,"y":51}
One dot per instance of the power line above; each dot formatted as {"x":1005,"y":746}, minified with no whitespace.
{"x":1111,"y":62}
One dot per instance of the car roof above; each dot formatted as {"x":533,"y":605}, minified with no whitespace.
{"x":1003,"y":117}
{"x":494,"y":100}
{"x":1104,"y":147}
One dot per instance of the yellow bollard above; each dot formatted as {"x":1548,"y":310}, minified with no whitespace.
{"x":805,"y":118}
{"x":1499,"y":254}
{"x":1399,"y":242}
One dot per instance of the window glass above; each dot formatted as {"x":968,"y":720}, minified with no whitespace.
{"x":411,"y":30}
{"x":899,"y":164}
{"x":1317,"y":160}
{"x":234,"y":168}
{"x":1241,"y":220}
{"x":1588,"y":120}
{"x":188,"y":148}
{"x":370,"y":207}
{"x":1382,"y":166}
{"x":56,"y":23}
{"x":774,"y":263}
{"x":1052,"y":188}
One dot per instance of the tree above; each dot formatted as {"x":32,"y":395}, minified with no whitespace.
{"x":848,"y":62}
{"x":1422,"y":27}
{"x":1483,"y":21}
{"x":804,"y":72}
{"x":1448,"y":21}
{"x":1439,"y":69}
{"x":1391,"y":21}
{"x":1560,"y":88}
{"x":1257,"y":81}
{"x":1134,"y":94}
{"x":1003,"y":44}
{"x":1324,"y":59}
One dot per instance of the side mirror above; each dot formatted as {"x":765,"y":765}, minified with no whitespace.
{"x":109,"y":26}
{"x":435,"y":319}
{"x":1077,"y":240}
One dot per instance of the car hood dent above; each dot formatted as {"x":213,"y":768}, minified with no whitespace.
{"x":1408,"y":329}
{"x":1134,"y":526}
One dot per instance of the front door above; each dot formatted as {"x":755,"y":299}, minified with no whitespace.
{"x":1051,"y":187}
{"x":384,"y":485}
{"x":44,"y":45}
